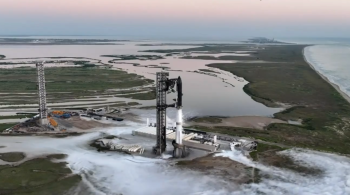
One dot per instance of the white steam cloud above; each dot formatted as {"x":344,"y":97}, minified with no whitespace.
{"x":115,"y":173}
{"x":335,"y":179}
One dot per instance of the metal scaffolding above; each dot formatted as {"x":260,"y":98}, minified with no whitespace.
{"x":164,"y":85}
{"x":42,"y":93}
{"x":161,"y":91}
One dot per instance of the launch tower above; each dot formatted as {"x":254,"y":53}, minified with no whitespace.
{"x":42,"y":93}
{"x":163,"y":86}
{"x":161,"y":91}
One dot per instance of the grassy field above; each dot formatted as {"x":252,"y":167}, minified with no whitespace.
{"x":141,"y":96}
{"x":324,"y":112}
{"x":17,"y":116}
{"x":37,"y":177}
{"x":4,"y":126}
{"x":77,"y":81}
{"x":12,"y":156}
{"x":287,"y":78}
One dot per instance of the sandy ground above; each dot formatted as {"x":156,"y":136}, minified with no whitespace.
{"x":84,"y":124}
{"x":255,"y":122}
{"x":345,"y":96}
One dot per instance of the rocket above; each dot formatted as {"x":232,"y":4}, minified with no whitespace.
{"x":179,"y":92}
{"x":179,"y":111}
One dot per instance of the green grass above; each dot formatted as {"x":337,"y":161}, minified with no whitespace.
{"x":57,"y":156}
{"x":20,"y":116}
{"x":4,"y":126}
{"x":37,"y":176}
{"x":151,"y":95}
{"x":59,"y":187}
{"x":12,"y":156}
{"x":79,"y":81}
{"x":292,"y":82}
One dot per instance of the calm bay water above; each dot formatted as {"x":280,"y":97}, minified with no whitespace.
{"x":203,"y":94}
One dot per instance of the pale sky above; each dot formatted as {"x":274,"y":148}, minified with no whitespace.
{"x":202,"y":18}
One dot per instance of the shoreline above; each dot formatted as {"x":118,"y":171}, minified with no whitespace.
{"x":335,"y":86}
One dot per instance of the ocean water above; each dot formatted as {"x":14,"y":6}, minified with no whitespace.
{"x":330,"y":57}
{"x":332,"y":61}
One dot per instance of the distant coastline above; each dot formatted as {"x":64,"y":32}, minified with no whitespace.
{"x":335,"y":86}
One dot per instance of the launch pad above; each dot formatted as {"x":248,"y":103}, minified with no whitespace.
{"x":189,"y":140}
{"x":161,"y":132}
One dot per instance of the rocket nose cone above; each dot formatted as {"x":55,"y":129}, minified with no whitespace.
{"x":179,"y":79}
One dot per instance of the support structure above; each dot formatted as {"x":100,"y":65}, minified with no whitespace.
{"x":163,"y":86}
{"x":161,"y":91}
{"x":42,"y":93}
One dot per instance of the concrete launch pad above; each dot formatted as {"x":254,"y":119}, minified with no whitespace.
{"x":188,"y":140}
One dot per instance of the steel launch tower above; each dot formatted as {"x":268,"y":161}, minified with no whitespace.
{"x":163,"y":86}
{"x":161,"y":91}
{"x":42,"y":93}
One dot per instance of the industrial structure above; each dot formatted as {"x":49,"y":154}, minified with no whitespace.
{"x":42,"y":93}
{"x":161,"y":90}
{"x":110,"y":144}
{"x":165,"y":85}
{"x":190,"y":139}
{"x":56,"y":121}
{"x":181,"y":139}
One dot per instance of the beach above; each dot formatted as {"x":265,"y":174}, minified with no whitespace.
{"x":335,"y":86}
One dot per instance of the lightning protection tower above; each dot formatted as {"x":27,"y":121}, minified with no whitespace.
{"x":42,"y":93}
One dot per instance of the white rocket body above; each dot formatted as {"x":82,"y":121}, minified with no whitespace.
{"x":179,"y":126}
